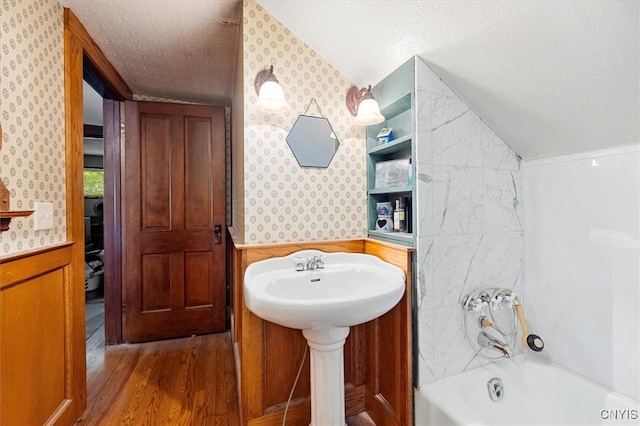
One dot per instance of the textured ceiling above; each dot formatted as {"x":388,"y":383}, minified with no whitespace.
{"x":181,"y":50}
{"x":550,"y":77}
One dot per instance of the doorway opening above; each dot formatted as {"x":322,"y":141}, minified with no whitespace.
{"x":93,"y":178}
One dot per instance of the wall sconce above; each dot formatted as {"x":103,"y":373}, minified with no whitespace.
{"x":363,"y":106}
{"x":270,"y":94}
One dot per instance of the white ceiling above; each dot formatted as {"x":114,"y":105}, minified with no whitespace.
{"x":550,"y":77}
{"x":183,"y":50}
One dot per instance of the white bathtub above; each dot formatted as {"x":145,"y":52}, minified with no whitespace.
{"x":535,"y":393}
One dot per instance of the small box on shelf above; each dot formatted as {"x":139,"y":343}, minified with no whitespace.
{"x":385,"y":135}
{"x":392,"y":173}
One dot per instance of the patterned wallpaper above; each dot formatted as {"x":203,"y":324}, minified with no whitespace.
{"x":32,"y":162}
{"x":283,"y":201}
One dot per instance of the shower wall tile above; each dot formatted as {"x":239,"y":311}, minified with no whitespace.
{"x":470,"y":231}
{"x":424,"y":209}
{"x":423,"y":100}
{"x":457,"y":200}
{"x":425,"y":289}
{"x":456,"y":262}
{"x":496,"y":154}
{"x":502,"y":200}
{"x":502,"y":255}
{"x":455,"y":133}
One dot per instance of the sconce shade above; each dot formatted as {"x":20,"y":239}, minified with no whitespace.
{"x":363,"y":106}
{"x":270,"y":93}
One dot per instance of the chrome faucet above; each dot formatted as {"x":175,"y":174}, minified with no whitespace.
{"x":315,"y":262}
{"x":310,"y":263}
{"x":486,"y":340}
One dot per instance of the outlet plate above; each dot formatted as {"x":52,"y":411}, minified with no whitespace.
{"x":43,"y":216}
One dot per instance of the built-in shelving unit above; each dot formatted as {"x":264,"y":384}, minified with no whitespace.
{"x":395,"y":95}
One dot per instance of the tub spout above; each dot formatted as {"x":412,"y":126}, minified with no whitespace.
{"x":487,"y":341}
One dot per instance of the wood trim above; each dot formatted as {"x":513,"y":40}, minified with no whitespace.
{"x":389,"y":399}
{"x":23,"y":266}
{"x":76,"y":361}
{"x":78,"y":46}
{"x":94,"y":54}
{"x":113,"y":112}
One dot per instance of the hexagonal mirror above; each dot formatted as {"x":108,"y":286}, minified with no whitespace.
{"x":312,"y":141}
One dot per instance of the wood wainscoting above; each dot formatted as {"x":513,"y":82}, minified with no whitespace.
{"x":378,"y":358}
{"x":37,"y":319}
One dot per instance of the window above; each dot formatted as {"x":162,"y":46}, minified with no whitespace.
{"x":94,"y":183}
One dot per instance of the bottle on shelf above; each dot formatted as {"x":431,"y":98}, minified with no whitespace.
{"x":399,"y":222}
{"x":403,"y":222}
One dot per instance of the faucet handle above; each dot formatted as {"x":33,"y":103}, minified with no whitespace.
{"x":320,"y":261}
{"x":299,"y":262}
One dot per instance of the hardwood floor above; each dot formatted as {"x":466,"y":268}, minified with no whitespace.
{"x":189,"y":381}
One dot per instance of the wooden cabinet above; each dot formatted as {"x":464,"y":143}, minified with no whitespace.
{"x":396,"y":97}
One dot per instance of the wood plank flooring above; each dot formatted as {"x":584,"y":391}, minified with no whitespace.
{"x":189,"y":381}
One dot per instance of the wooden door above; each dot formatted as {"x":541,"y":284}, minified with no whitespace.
{"x":173,"y":216}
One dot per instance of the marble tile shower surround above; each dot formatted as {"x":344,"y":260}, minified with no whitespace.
{"x":284,"y":202}
{"x":470,"y":227}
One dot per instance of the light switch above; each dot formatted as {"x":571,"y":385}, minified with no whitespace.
{"x":43,"y":216}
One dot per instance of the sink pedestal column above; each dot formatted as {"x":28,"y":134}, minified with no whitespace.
{"x":327,"y":375}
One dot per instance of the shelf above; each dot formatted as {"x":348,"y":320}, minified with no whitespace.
{"x":5,"y":217}
{"x":396,"y":190}
{"x":401,"y":105}
{"x":392,"y":147}
{"x":404,"y":238}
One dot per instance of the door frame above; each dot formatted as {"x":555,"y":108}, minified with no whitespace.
{"x":82,"y":53}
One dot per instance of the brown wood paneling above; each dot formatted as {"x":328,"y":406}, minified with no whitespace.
{"x":389,"y":395}
{"x":156,"y":292}
{"x":300,"y":409}
{"x":35,"y":350}
{"x":198,"y":267}
{"x":284,"y":348}
{"x":32,"y":341}
{"x":198,"y":174}
{"x":112,"y":222}
{"x":21,"y":267}
{"x":155,"y":164}
{"x":176,"y":241}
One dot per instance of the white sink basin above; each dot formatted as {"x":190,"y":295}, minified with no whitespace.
{"x":351,"y":289}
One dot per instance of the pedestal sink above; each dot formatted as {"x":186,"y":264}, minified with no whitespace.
{"x":344,"y":290}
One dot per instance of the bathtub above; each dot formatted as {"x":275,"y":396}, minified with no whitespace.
{"x":535,"y":393}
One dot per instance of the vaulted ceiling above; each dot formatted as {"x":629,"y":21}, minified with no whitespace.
{"x":550,"y":77}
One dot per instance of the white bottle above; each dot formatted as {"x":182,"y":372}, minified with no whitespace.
{"x":396,"y":216}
